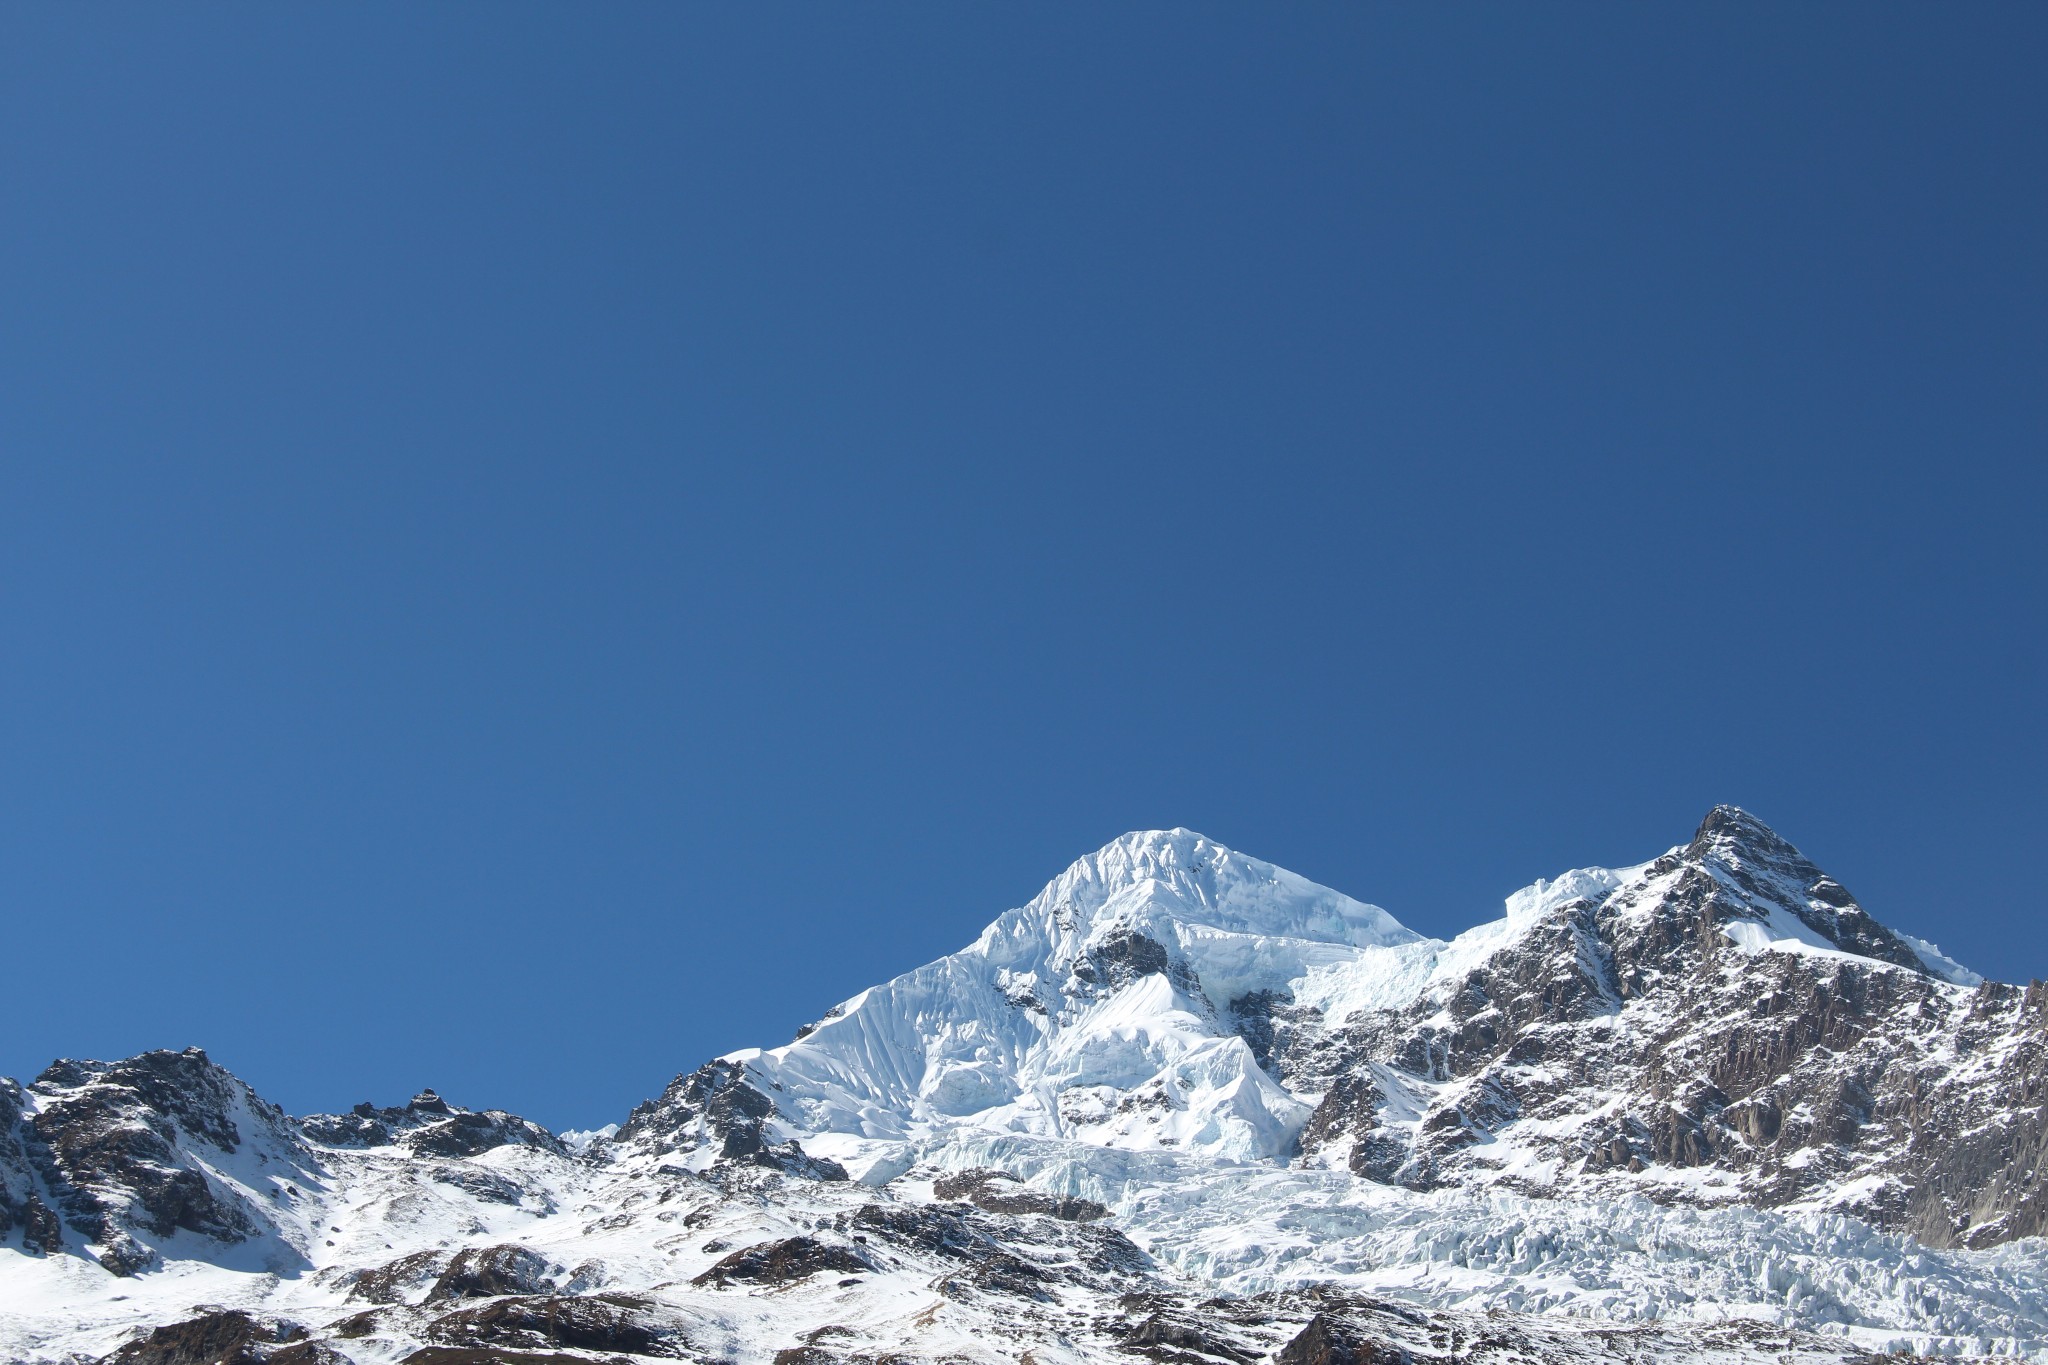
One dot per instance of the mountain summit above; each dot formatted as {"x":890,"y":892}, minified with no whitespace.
{"x":1180,"y":876}
{"x":1182,"y":1104}
{"x":1759,"y":875}
{"x":1118,"y":979}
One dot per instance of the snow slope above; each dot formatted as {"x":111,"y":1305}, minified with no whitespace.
{"x":1114,"y":981}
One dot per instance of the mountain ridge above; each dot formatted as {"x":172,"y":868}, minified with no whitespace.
{"x":1182,"y":1104}
{"x":1019,"y":1030}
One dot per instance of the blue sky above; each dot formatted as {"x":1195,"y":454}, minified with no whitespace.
{"x":539,"y":544}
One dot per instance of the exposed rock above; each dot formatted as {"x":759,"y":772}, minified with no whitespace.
{"x":1121,"y":958}
{"x":1325,"y":1341}
{"x":602,"y":1322}
{"x":399,"y":1281}
{"x":484,"y":1272}
{"x":1081,"y":1253}
{"x":42,"y":1232}
{"x":934,"y":1229}
{"x":358,"y":1325}
{"x":224,"y":1338}
{"x":307,"y":1353}
{"x":484,"y":1184}
{"x":1795,"y":1072}
{"x":1757,"y":865}
{"x":429,"y":1125}
{"x":782,"y":1262}
{"x":812,"y":1355}
{"x":1177,"y":1337}
{"x":715,"y":1107}
{"x":1000,"y":1192}
{"x":114,"y":1141}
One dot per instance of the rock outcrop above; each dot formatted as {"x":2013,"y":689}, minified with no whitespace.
{"x":1727,"y":1024}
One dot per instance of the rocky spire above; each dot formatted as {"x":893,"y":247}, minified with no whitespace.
{"x":1765,"y":872}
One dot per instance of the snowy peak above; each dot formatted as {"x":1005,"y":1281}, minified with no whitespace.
{"x":1103,"y":1010}
{"x":1215,"y":923}
{"x":1181,"y":877}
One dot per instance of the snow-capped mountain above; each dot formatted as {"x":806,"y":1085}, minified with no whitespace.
{"x":1183,"y":1104}
{"x":1079,"y":1014}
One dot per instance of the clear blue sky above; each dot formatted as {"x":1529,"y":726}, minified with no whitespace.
{"x":539,"y":544}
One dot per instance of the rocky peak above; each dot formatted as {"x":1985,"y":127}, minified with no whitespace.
{"x":1732,"y":828}
{"x":1725,"y":1021}
{"x":1759,"y":876}
{"x":124,"y":1149}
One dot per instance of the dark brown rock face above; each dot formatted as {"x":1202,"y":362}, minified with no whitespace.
{"x":1794,"y":1072}
{"x":783,"y":1262}
{"x":1168,"y":1336}
{"x":42,"y":1232}
{"x":811,"y":1355}
{"x":1327,"y":1341}
{"x":1121,"y":958}
{"x":620,"y":1323}
{"x":227,"y":1338}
